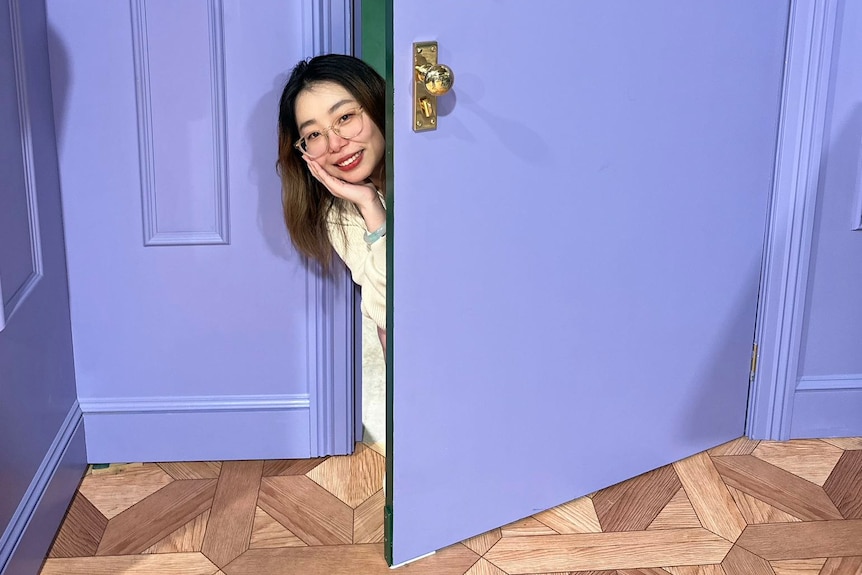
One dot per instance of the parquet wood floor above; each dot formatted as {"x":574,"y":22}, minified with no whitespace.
{"x":743,"y":508}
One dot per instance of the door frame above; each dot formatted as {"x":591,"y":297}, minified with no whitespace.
{"x":811,"y":36}
{"x":334,"y":341}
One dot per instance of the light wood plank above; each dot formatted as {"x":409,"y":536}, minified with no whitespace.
{"x":779,"y":488}
{"x":274,"y":467}
{"x":345,"y":560}
{"x":616,"y":550}
{"x":678,"y":514}
{"x":845,"y":442}
{"x":696,"y":570}
{"x":309,"y":511}
{"x":269,"y":533}
{"x":577,"y":516}
{"x":484,"y":567}
{"x":192,"y":469}
{"x":810,"y":459}
{"x":655,"y":571}
{"x":739,"y":446}
{"x":756,"y":511}
{"x":167,"y":564}
{"x":481,"y":543}
{"x":157,"y":516}
{"x":186,"y":539}
{"x":806,"y":540}
{"x":232,"y":517}
{"x":843,"y":566}
{"x":525,"y":527}
{"x":368,"y":520}
{"x":798,"y":566}
{"x":709,"y":496}
{"x":113,"y":493}
{"x":351,"y":478}
{"x":742,"y":562}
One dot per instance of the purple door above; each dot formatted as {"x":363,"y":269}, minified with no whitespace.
{"x":575,"y":250}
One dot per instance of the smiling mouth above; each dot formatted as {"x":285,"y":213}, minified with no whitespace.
{"x":350,"y":161}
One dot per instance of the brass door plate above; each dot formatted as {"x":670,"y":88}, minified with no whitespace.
{"x":424,"y":104}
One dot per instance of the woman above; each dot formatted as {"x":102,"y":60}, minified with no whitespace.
{"x":331,"y":159}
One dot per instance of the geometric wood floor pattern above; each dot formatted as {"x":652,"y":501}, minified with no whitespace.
{"x":743,"y":508}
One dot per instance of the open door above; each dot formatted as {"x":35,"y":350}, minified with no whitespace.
{"x":575,"y":250}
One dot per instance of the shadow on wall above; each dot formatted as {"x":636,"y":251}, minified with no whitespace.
{"x":61,"y":80}
{"x":264,"y":154}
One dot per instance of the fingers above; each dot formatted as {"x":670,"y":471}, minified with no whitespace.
{"x":324,"y":177}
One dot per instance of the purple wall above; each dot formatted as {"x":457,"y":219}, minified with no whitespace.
{"x":42,"y":454}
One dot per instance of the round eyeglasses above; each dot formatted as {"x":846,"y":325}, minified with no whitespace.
{"x":348,"y":125}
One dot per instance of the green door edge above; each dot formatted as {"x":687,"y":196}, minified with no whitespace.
{"x":376,"y":47}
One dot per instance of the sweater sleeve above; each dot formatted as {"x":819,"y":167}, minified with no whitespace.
{"x":367,"y":264}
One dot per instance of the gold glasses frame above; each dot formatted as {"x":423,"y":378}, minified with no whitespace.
{"x":334,"y":127}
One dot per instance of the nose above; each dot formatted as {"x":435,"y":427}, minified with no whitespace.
{"x":336,"y":142}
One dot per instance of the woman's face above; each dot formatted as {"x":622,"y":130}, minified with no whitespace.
{"x":320,"y":106}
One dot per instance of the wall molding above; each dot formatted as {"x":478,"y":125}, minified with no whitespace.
{"x":153,"y":236}
{"x":8,"y":308}
{"x":39,"y":485}
{"x":330,"y":300}
{"x":857,"y":207}
{"x":188,"y":404}
{"x":830,"y":382}
{"x":327,"y":27}
{"x":784,"y":278}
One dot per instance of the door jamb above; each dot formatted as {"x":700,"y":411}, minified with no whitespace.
{"x":327,"y":27}
{"x":787,"y":253}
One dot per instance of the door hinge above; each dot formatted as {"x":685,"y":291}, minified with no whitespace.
{"x":753,"y":362}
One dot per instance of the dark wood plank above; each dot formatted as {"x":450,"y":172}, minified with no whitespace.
{"x":232,"y":516}
{"x":632,"y":505}
{"x":743,"y":562}
{"x":81,"y":530}
{"x":844,"y":485}
{"x":779,"y":488}
{"x":157,"y":516}
{"x":807,"y":540}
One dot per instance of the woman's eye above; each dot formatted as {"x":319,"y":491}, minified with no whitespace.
{"x":346,"y":117}
{"x":312,"y":136}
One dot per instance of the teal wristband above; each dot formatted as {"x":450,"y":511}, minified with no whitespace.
{"x":375,"y":235}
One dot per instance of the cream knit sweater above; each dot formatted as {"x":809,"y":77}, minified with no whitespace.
{"x":367,"y":264}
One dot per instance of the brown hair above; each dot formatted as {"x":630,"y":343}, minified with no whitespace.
{"x":306,"y":202}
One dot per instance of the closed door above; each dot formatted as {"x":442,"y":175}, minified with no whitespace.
{"x":575,"y":249}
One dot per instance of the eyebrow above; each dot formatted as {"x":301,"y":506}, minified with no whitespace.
{"x":332,"y":110}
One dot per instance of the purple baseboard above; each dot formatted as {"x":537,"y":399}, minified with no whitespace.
{"x":827,"y":408}
{"x":197,"y":429}
{"x":29,"y":535}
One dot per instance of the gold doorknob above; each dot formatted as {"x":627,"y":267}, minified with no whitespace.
{"x":437,"y":78}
